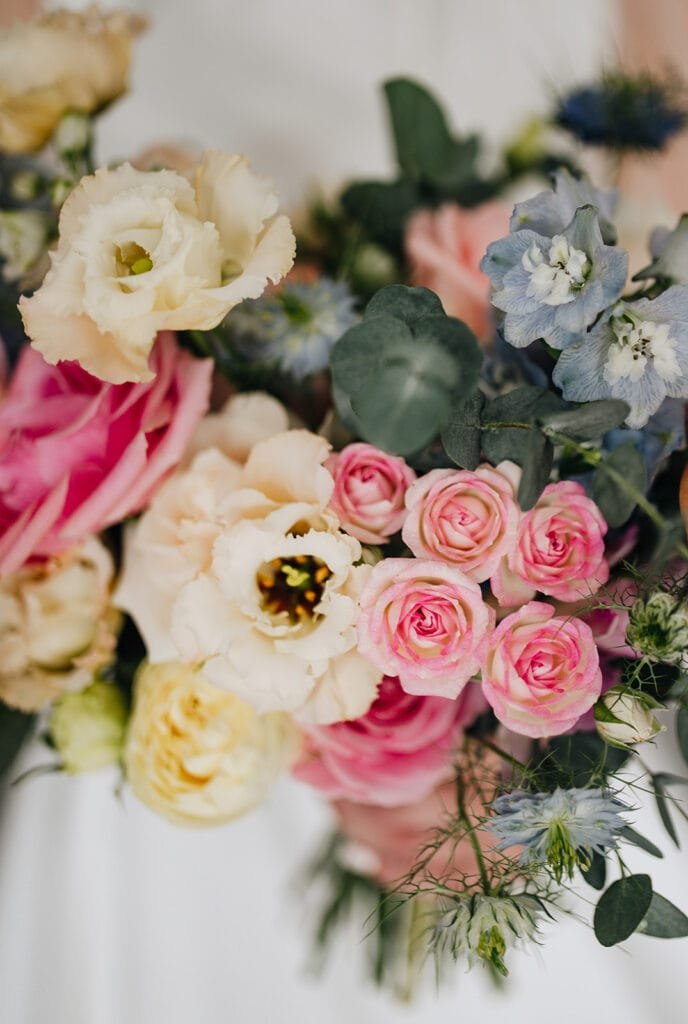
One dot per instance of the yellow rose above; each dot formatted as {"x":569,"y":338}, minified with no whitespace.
{"x":59,"y":62}
{"x":57,"y":627}
{"x":146,"y":251}
{"x":198,"y":755}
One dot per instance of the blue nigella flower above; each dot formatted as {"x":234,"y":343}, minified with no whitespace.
{"x":560,"y":829}
{"x":296,"y":328}
{"x":638,"y":351}
{"x":554,"y":286}
{"x":549,"y":212}
{"x":623,"y":112}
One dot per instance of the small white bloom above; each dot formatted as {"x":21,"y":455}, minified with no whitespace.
{"x":554,"y":283}
{"x":625,"y":718}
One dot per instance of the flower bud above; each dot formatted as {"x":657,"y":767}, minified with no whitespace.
{"x":73,"y":134}
{"x":658,"y":628}
{"x":624,"y":718}
{"x":88,"y":728}
{"x":23,"y":237}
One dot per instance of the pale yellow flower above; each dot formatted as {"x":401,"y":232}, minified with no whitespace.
{"x":145,"y":251}
{"x":197,"y":754}
{"x":88,"y":728}
{"x":62,"y":61}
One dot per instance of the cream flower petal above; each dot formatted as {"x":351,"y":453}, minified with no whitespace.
{"x":343,"y":693}
{"x":289,"y":467}
{"x":244,"y":420}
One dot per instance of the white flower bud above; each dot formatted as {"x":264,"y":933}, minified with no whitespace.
{"x":624,"y":718}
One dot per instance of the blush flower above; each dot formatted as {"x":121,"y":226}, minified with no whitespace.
{"x":396,"y":753}
{"x":425,"y":622}
{"x":559,"y":550}
{"x":369,"y":491}
{"x":77,"y":455}
{"x":467,"y":519}
{"x":541,"y":672}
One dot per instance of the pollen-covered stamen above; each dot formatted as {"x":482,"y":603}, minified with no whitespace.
{"x":132,"y":259}
{"x":639,"y":342}
{"x":293,"y":586}
{"x":554,"y":281}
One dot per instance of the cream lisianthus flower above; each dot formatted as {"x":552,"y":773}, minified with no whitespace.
{"x":145,"y":251}
{"x":197,"y":754}
{"x":244,"y":572}
{"x":244,"y":420}
{"x":57,"y":627}
{"x":61,"y":61}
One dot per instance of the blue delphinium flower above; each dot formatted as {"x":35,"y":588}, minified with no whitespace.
{"x":669,"y":250}
{"x":560,"y":829}
{"x":296,"y":328}
{"x":624,"y":111}
{"x":638,"y":352}
{"x":554,"y":286}
{"x":549,"y":212}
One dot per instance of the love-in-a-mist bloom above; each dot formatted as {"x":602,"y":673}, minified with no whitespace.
{"x":468,"y":519}
{"x":369,"y":491}
{"x":559,"y":550}
{"x":425,"y":622}
{"x":541,"y":672}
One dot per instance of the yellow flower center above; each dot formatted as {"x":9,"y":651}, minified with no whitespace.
{"x":293,"y":586}
{"x":132,"y":259}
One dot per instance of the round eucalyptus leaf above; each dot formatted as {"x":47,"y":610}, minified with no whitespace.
{"x":621,"y":908}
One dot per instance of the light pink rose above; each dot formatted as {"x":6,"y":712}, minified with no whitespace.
{"x":445,"y":247}
{"x":611,"y":676}
{"x":425,"y":622}
{"x":609,"y":621}
{"x":541,"y":672}
{"x":559,"y":550}
{"x":369,"y":490}
{"x":396,"y":753}
{"x":466,"y":518}
{"x":77,"y":454}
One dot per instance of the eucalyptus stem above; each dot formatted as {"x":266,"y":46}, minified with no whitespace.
{"x":472,"y":838}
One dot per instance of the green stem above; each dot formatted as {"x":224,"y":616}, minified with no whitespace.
{"x":472,"y":838}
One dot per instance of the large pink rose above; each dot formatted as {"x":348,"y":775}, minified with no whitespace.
{"x":396,"y":753}
{"x":369,"y":491}
{"x":445,"y":247}
{"x":468,"y":519}
{"x":425,"y":622}
{"x":541,"y":672}
{"x":559,"y":550}
{"x":77,"y":454}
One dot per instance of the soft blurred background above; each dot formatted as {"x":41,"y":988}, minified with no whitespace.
{"x":111,"y":916}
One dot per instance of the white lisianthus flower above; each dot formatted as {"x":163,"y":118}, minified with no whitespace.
{"x":145,"y":251}
{"x":244,"y":420}
{"x":59,"y":62}
{"x":197,"y":754}
{"x":244,"y":572}
{"x":57,"y":626}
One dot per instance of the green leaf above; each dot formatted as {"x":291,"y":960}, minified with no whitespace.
{"x":663,"y":920}
{"x":596,"y":874}
{"x":682,"y":731}
{"x":404,"y":303}
{"x":589,"y":421}
{"x":614,"y":502}
{"x":381,"y":208}
{"x":423,"y":143}
{"x":521,"y":406}
{"x":461,"y":435}
{"x":15,"y":727}
{"x":622,"y":908}
{"x":663,"y":808}
{"x":537,"y":466}
{"x":631,"y":836}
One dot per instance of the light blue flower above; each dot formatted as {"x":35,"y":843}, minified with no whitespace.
{"x":663,"y":434}
{"x":669,"y":250}
{"x":554,"y":286}
{"x":550,"y":211}
{"x":638,"y":351}
{"x":295,"y":329}
{"x":560,"y":829}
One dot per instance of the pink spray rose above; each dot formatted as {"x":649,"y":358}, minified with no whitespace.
{"x":77,"y":454}
{"x":425,"y":622}
{"x":445,"y":247}
{"x":468,"y":519}
{"x":559,"y":550}
{"x":369,"y":491}
{"x":396,"y":753}
{"x":541,"y":672}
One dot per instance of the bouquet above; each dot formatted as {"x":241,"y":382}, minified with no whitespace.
{"x":405,"y":517}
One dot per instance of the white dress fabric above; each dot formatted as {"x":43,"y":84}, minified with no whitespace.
{"x":108,"y":915}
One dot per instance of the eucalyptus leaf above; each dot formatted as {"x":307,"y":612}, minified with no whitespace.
{"x":621,"y":909}
{"x":663,"y":808}
{"x":631,"y":836}
{"x":537,"y":466}
{"x":423,"y":143}
{"x":589,"y":421}
{"x":682,"y":731}
{"x":381,"y":208}
{"x":663,"y":920}
{"x":614,"y":502}
{"x":404,"y":303}
{"x":461,"y":435}
{"x":596,"y":874}
{"x":509,"y":422}
{"x":15,"y":727}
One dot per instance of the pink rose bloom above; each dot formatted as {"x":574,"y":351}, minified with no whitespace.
{"x":396,"y":753}
{"x":541,"y":672}
{"x":611,"y":676}
{"x":445,"y":247}
{"x":77,"y":454}
{"x":559,"y":550}
{"x":466,"y":518}
{"x":369,"y":491}
{"x":425,"y":622}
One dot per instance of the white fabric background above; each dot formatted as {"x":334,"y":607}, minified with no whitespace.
{"x":109,"y":915}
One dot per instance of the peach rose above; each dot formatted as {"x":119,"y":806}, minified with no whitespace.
{"x":468,"y":519}
{"x":559,"y":550}
{"x":541,"y":672}
{"x":445,"y":247}
{"x":425,"y":622}
{"x":369,"y":491}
